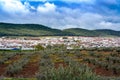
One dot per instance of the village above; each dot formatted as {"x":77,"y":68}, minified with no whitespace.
{"x":72,"y":42}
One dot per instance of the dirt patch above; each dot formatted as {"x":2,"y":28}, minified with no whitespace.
{"x":103,"y":72}
{"x":2,"y":69}
{"x":6,"y":63}
{"x":31,"y":68}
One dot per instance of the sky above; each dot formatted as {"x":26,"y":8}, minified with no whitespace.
{"x":62,"y":14}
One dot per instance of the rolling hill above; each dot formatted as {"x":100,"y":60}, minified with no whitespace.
{"x":93,"y":33}
{"x":81,"y":32}
{"x":9,"y":29}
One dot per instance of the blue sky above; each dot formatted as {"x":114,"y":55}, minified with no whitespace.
{"x":61,"y":14}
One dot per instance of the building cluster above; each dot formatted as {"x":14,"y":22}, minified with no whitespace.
{"x":28,"y":43}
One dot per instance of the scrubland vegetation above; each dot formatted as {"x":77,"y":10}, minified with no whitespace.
{"x":58,"y":63}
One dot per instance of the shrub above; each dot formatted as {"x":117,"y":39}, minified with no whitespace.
{"x":74,"y":71}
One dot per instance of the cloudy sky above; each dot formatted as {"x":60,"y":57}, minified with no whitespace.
{"x":61,"y":14}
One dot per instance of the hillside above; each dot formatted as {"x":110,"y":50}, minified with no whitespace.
{"x":107,"y":32}
{"x":93,"y":33}
{"x":81,"y":32}
{"x":8,"y":29}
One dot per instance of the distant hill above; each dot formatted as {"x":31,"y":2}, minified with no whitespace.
{"x":93,"y":33}
{"x":8,"y":29}
{"x":107,"y":32}
{"x":81,"y":32}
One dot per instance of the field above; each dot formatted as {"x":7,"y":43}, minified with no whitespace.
{"x":57,"y":63}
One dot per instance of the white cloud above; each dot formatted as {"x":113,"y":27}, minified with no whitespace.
{"x":13,"y":7}
{"x":110,"y":25}
{"x":46,"y":8}
{"x":56,"y":17}
{"x":28,"y":6}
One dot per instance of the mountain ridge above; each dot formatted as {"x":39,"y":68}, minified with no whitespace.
{"x":11,"y":29}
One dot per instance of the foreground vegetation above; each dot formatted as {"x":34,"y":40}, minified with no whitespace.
{"x":58,"y":63}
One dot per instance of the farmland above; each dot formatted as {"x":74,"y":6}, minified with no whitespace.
{"x":58,"y":63}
